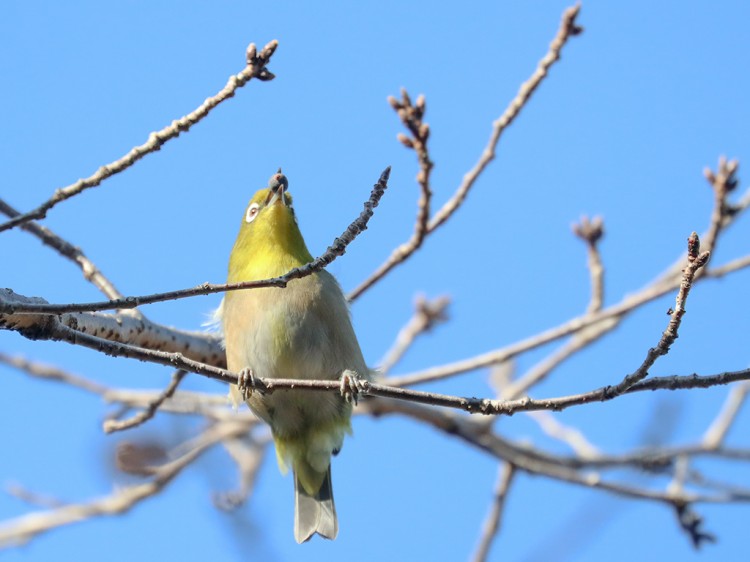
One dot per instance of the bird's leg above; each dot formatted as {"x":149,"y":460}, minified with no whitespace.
{"x":351,"y":385}
{"x":246,"y":382}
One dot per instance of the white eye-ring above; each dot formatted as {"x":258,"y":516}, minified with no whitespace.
{"x":252,"y":212}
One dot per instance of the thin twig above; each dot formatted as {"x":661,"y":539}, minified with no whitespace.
{"x":717,"y":431}
{"x":594,"y":325}
{"x":426,"y":315}
{"x":50,"y":372}
{"x":571,"y":436}
{"x":111,"y":426}
{"x":531,"y":461}
{"x":568,"y":28}
{"x":541,"y":370}
{"x":655,"y":458}
{"x":591,"y":232}
{"x":90,"y":272}
{"x":336,"y":249}
{"x":255,"y":68}
{"x":411,"y":116}
{"x":723,"y":214}
{"x":22,"y":529}
{"x":695,"y":262}
{"x":727,"y":268}
{"x":211,"y":406}
{"x":32,"y":498}
{"x":681,"y":466}
{"x":723,"y":182}
{"x":248,"y":453}
{"x":627,"y":305}
{"x":192,"y":403}
{"x":491,"y":525}
{"x":577,"y":324}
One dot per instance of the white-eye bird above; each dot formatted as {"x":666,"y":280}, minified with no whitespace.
{"x":302,"y":331}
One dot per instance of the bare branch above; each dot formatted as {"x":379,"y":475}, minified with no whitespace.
{"x":90,"y":272}
{"x":491,"y":525}
{"x":731,"y":267}
{"x":191,"y":403}
{"x":568,"y":28}
{"x":50,"y":372}
{"x":717,"y":431}
{"x":656,"y":458}
{"x":248,"y":453}
{"x":140,"y":332}
{"x":723,"y":182}
{"x":591,"y":232}
{"x":256,"y":68}
{"x":111,"y":426}
{"x":695,"y":262}
{"x":336,"y":249}
{"x":411,"y":116}
{"x":26,"y":527}
{"x":32,"y":498}
{"x":211,"y":406}
{"x":605,"y":320}
{"x":589,"y":327}
{"x":541,"y":370}
{"x":723,"y":215}
{"x":426,"y":316}
{"x":57,"y":331}
{"x":571,"y":436}
{"x":532,"y":461}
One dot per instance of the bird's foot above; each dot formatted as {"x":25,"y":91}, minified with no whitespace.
{"x":351,"y":386}
{"x":246,"y":382}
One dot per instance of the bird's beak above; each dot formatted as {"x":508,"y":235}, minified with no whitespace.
{"x":277,"y":185}
{"x":277,"y":194}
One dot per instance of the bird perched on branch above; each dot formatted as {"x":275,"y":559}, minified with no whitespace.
{"x":302,"y":331}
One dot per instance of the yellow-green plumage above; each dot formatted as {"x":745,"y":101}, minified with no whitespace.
{"x":302,"y":331}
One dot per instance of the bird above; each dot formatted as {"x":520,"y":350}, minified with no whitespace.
{"x":301,"y":331}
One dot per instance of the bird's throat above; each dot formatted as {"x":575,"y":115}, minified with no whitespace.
{"x":268,"y":248}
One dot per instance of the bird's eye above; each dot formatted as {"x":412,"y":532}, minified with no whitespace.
{"x":252,"y":212}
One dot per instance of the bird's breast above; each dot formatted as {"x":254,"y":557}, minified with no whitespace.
{"x":301,"y":331}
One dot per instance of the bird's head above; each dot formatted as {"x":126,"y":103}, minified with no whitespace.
{"x":269,"y":242}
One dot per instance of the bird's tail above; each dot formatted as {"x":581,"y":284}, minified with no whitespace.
{"x":316,"y":512}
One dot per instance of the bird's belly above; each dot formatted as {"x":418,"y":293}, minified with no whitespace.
{"x":290,"y":343}
{"x":293,"y":413}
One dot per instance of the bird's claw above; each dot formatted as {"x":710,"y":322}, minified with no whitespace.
{"x":246,"y":383}
{"x":351,"y":386}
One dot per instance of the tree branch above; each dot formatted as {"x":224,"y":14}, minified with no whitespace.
{"x":22,"y":529}
{"x":90,"y":271}
{"x":492,"y":524}
{"x":717,"y":431}
{"x":110,"y":426}
{"x":695,"y":262}
{"x":336,"y":249}
{"x":568,"y":28}
{"x":55,"y":330}
{"x":426,"y":316}
{"x":256,"y":68}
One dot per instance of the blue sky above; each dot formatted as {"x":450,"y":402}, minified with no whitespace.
{"x":647,"y":97}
